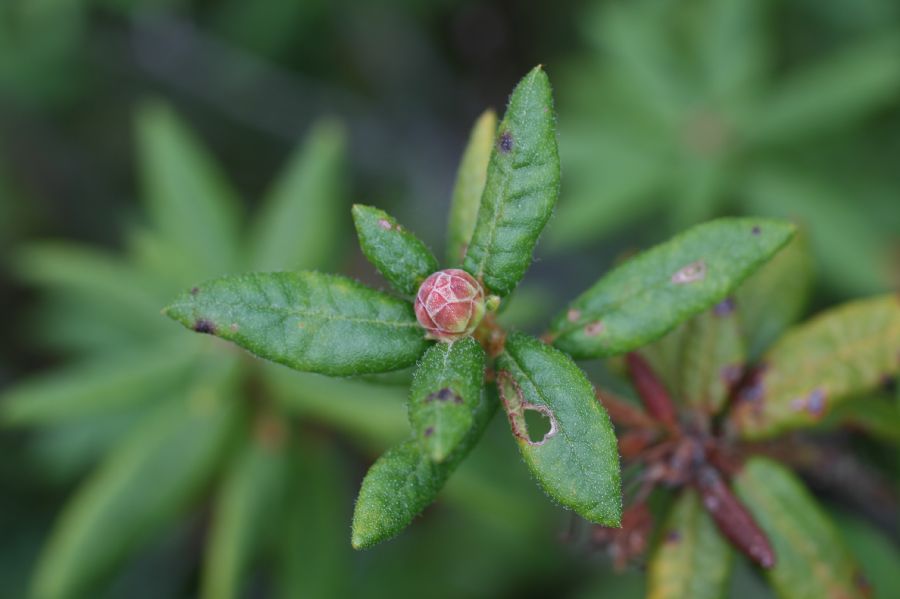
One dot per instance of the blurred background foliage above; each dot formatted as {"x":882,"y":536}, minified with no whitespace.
{"x":148,"y":145}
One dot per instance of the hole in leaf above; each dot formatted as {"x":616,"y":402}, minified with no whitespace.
{"x":538,"y":425}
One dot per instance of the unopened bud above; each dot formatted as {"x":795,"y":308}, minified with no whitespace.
{"x":450,"y":304}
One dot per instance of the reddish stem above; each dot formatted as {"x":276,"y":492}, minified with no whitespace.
{"x":732,"y":517}
{"x":651,"y":390}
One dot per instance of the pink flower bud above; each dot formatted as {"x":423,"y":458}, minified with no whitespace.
{"x":450,"y":304}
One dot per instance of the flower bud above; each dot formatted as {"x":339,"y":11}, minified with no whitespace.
{"x":450,"y":304}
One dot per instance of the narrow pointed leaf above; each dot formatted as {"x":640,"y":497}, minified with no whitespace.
{"x":775,"y":296}
{"x":306,"y":320}
{"x":693,"y":559}
{"x":188,"y":197}
{"x":470,"y":179}
{"x":244,"y":505}
{"x":446,"y":395}
{"x":647,"y":296}
{"x":577,"y":460}
{"x":713,"y":356}
{"x":521,"y":188}
{"x":397,"y":254}
{"x":405,"y":480}
{"x":842,"y":353}
{"x":811,"y":560}
{"x":313,"y":555}
{"x":101,"y":385}
{"x":143,"y":484}
{"x":297,"y":228}
{"x":834,"y":93}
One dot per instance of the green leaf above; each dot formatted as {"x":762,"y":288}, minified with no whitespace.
{"x":142,"y":485}
{"x":397,"y":254}
{"x":712,"y":358}
{"x":244,"y":505}
{"x":692,"y":559}
{"x":298,"y":226}
{"x":470,"y":180}
{"x":577,"y":460}
{"x":875,"y":551}
{"x":188,"y":197}
{"x":521,"y":188}
{"x":313,"y":555}
{"x":810,"y":559}
{"x":647,"y":296}
{"x":877,"y":416}
{"x":775,"y":297}
{"x":405,"y":480}
{"x":841,"y":353}
{"x":306,"y":320}
{"x":367,"y":412}
{"x":832,"y":94}
{"x":101,"y":385}
{"x":123,"y":293}
{"x":446,"y":395}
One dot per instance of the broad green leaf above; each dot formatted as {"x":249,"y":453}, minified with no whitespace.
{"x":446,"y":395}
{"x":521,"y":188}
{"x":405,"y":480}
{"x":470,"y":179}
{"x":832,"y":94}
{"x":397,"y":254}
{"x":313,"y":555}
{"x":692,"y":559}
{"x":712,"y":357}
{"x":875,"y":551}
{"x":841,"y":353}
{"x":244,"y":505}
{"x":122,"y":292}
{"x":877,"y":416}
{"x":188,"y":197}
{"x":306,"y":320}
{"x":142,"y":485}
{"x":367,"y":412}
{"x":297,"y":227}
{"x":775,"y":297}
{"x":100,"y":385}
{"x":810,"y":559}
{"x":647,"y":296}
{"x":577,"y":460}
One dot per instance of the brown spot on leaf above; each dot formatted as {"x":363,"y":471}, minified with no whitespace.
{"x":385,"y":224}
{"x":205,"y":326}
{"x":444,"y":395}
{"x":756,"y":230}
{"x":234,"y":327}
{"x":429,"y":431}
{"x":573,"y":315}
{"x":693,"y":272}
{"x":814,"y":403}
{"x":731,"y":374}
{"x":594,"y":329}
{"x":724,"y":308}
{"x":505,"y":142}
{"x":195,"y":290}
{"x":673,"y":536}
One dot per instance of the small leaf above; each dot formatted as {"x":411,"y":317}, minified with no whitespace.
{"x":647,"y":296}
{"x":306,"y":320}
{"x":811,"y":561}
{"x":445,"y":396}
{"x":775,"y":297}
{"x":397,"y":254}
{"x":250,"y":492}
{"x":843,"y":352}
{"x":405,"y":480}
{"x":713,"y":356}
{"x":692,"y":559}
{"x":521,"y":188}
{"x":577,"y":460}
{"x":835,"y":93}
{"x":297,"y":228}
{"x":142,"y":485}
{"x":107,"y":384}
{"x":189,"y":198}
{"x":470,"y":179}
